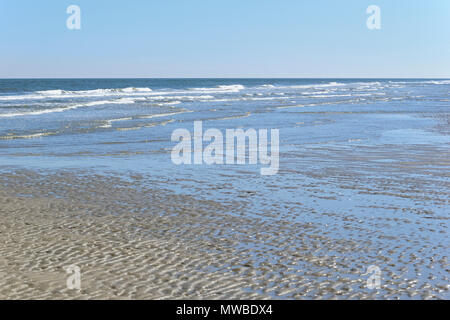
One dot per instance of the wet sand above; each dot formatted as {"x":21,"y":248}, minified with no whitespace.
{"x":121,"y":254}
{"x":136,"y":242}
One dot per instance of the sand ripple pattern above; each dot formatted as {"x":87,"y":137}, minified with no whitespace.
{"x":134,"y":242}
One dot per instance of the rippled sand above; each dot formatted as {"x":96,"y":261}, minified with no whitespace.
{"x":133,"y":241}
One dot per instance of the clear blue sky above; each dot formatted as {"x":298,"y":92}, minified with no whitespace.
{"x":229,"y":38}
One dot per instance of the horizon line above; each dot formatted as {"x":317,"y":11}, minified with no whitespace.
{"x":217,"y":78}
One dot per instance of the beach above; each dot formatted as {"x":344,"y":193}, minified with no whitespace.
{"x":154,"y":244}
{"x":122,"y":255}
{"x":86,"y":180}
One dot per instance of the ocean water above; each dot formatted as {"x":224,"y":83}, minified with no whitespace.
{"x":109,"y":122}
{"x":361,"y":159}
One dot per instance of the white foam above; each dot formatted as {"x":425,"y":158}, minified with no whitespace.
{"x":177,"y":97}
{"x":437,"y":82}
{"x":440,"y":82}
{"x":164,"y":114}
{"x":94,"y":92}
{"x":27,"y":136}
{"x":170,"y":103}
{"x":51,"y":92}
{"x":127,"y":92}
{"x":315,"y":86}
{"x":109,"y":123}
{"x":249,"y":99}
{"x":72,"y":107}
{"x":146,"y":126}
{"x":221,"y":89}
{"x":131,"y":89}
{"x":330,"y":95}
{"x":62,"y":94}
